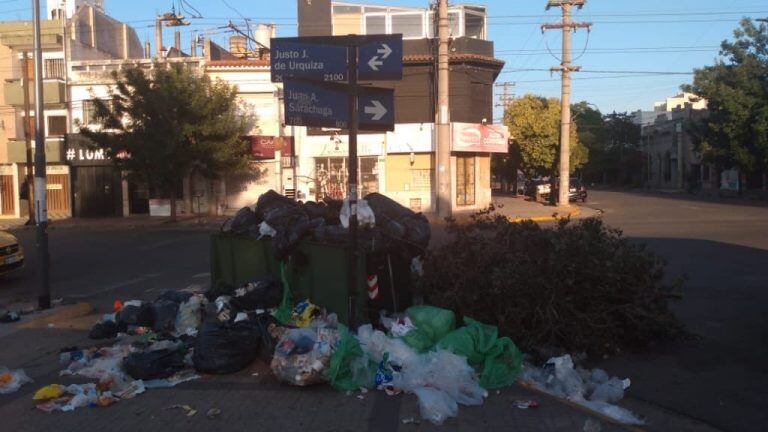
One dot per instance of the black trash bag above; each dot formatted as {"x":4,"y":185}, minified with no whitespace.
{"x":177,"y":297}
{"x":244,"y":222}
{"x":315,"y":210}
{"x":221,"y":310}
{"x":399,"y":222}
{"x":223,"y":348}
{"x":290,"y":224}
{"x":268,"y":343}
{"x":164,"y":316}
{"x":270,"y":201}
{"x":333,"y":212}
{"x":139,"y":316}
{"x":104,"y":330}
{"x":263,"y":293}
{"x":331,"y":234}
{"x":220,"y":289}
{"x":151,"y":365}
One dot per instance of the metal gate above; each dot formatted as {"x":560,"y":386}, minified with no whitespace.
{"x":7,"y":199}
{"x":58,"y":195}
{"x":98,"y":191}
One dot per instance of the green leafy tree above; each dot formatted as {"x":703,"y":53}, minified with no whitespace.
{"x":590,"y":129}
{"x":534,"y":124}
{"x":735,"y":134}
{"x":164,"y":125}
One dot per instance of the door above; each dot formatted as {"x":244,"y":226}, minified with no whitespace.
{"x":97,"y":194}
{"x":138,"y":198}
{"x":465,"y":180}
{"x":7,"y":199}
{"x":57,"y":186}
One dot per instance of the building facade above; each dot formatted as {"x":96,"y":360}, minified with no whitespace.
{"x":671,"y":160}
{"x":401,"y":164}
{"x":77,"y":30}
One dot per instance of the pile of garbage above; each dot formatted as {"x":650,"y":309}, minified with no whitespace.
{"x":384,"y":224}
{"x":593,"y":389}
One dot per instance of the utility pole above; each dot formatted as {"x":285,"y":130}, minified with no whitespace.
{"x":30,"y":177}
{"x":505,"y":98}
{"x":443,"y":172}
{"x":565,"y":69}
{"x":41,"y":206}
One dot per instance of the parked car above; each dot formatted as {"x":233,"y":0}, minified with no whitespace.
{"x":537,"y":188}
{"x":576,"y":190}
{"x":11,"y":253}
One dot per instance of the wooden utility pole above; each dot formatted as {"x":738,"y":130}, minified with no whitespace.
{"x":565,"y":69}
{"x":443,"y":171}
{"x":30,"y":177}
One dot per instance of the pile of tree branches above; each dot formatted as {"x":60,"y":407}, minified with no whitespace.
{"x":575,"y":286}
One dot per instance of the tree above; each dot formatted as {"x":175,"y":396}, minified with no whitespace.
{"x":590,"y":124}
{"x":534,"y":124}
{"x":735,"y":134}
{"x":163,"y":126}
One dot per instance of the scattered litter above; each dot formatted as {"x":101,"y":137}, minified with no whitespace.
{"x":48,"y":392}
{"x":591,"y":389}
{"x":410,"y":420}
{"x":525,"y":404}
{"x":361,"y":397}
{"x":12,"y":380}
{"x":51,"y":325}
{"x":213,"y":413}
{"x":9,"y":317}
{"x":189,"y":410}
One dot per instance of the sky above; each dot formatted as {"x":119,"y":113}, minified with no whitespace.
{"x":628,"y":39}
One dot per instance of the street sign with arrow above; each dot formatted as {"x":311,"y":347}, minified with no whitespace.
{"x":325,"y":105}
{"x":381,"y":58}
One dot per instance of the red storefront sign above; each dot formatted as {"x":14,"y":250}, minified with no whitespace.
{"x":264,"y":147}
{"x":479,"y":138}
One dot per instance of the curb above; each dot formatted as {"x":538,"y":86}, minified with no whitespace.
{"x":61,"y":313}
{"x":555,"y":216}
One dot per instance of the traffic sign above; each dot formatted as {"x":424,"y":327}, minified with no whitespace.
{"x":381,"y":58}
{"x":324,"y":58}
{"x":327,"y":105}
{"x":318,"y":62}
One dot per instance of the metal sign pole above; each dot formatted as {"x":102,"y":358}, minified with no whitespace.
{"x":41,"y":206}
{"x":353,"y":125}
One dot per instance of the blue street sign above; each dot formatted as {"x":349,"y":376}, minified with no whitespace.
{"x":327,"y":105}
{"x":324,"y":58}
{"x":318,"y":62}
{"x":381,"y":58}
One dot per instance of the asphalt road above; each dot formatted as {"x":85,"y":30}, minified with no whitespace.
{"x":722,"y":248}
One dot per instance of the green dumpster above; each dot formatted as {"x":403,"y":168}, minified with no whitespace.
{"x":317,"y":271}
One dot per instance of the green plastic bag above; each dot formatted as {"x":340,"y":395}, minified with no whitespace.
{"x":285,"y":310}
{"x":432,"y":324}
{"x":350,"y":369}
{"x":498,"y":359}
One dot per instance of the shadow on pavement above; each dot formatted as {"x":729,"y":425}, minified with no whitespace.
{"x":720,"y":378}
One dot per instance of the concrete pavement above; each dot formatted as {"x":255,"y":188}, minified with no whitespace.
{"x":711,"y":384}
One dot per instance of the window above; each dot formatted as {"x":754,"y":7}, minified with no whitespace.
{"x":369,"y":175}
{"x":89,"y":112}
{"x":705,"y":173}
{"x":474,"y":25}
{"x":375,"y":24}
{"x":410,"y":25}
{"x":57,"y":125}
{"x":667,"y":167}
{"x":454,"y":24}
{"x":53,"y":68}
{"x":465,"y":180}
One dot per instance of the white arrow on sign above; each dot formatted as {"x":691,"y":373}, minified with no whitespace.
{"x":374,"y":63}
{"x":385,"y":51}
{"x":377,"y":111}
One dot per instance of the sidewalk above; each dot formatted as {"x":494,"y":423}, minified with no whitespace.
{"x":518,"y":208}
{"x":129,"y":222}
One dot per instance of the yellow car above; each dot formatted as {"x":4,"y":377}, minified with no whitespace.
{"x":11,"y":253}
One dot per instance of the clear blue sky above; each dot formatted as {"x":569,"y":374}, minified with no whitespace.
{"x":653,"y":35}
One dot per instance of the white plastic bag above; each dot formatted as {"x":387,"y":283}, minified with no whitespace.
{"x":266,"y":230}
{"x":12,"y":380}
{"x":365,"y":215}
{"x":435,"y":405}
{"x":188,"y":318}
